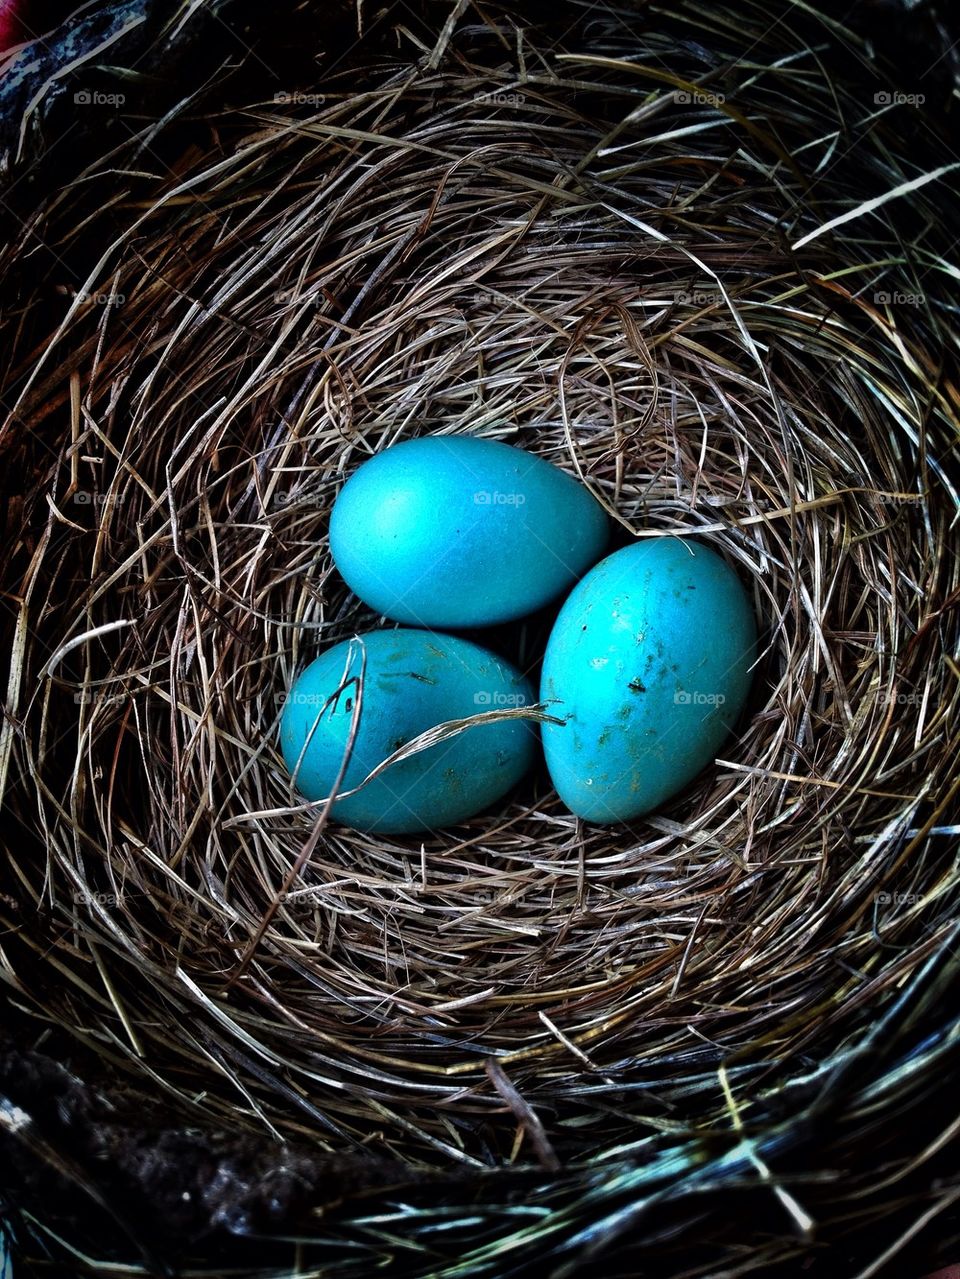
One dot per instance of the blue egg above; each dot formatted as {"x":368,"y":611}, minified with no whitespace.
{"x":412,"y":681}
{"x":454,"y":531}
{"x":648,"y":665}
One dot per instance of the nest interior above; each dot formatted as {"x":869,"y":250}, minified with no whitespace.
{"x":658,"y":268}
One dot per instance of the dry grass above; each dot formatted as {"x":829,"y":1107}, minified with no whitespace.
{"x":604,"y":276}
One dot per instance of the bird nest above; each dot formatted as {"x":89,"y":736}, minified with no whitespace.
{"x":671,"y":274}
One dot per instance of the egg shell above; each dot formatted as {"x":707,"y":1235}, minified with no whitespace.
{"x":412,"y":681}
{"x":648,"y":664}
{"x":456,"y":531}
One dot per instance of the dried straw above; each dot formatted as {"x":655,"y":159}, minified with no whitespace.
{"x":680,"y":301}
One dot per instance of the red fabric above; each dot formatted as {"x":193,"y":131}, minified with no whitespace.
{"x":951,"y":1272}
{"x":10,"y":30}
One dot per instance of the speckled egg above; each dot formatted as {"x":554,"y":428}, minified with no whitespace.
{"x":412,"y":681}
{"x":648,"y":666}
{"x":456,"y":531}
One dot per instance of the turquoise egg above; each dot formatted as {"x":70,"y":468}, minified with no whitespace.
{"x":457,"y":531}
{"x":412,"y":681}
{"x":648,"y":665}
